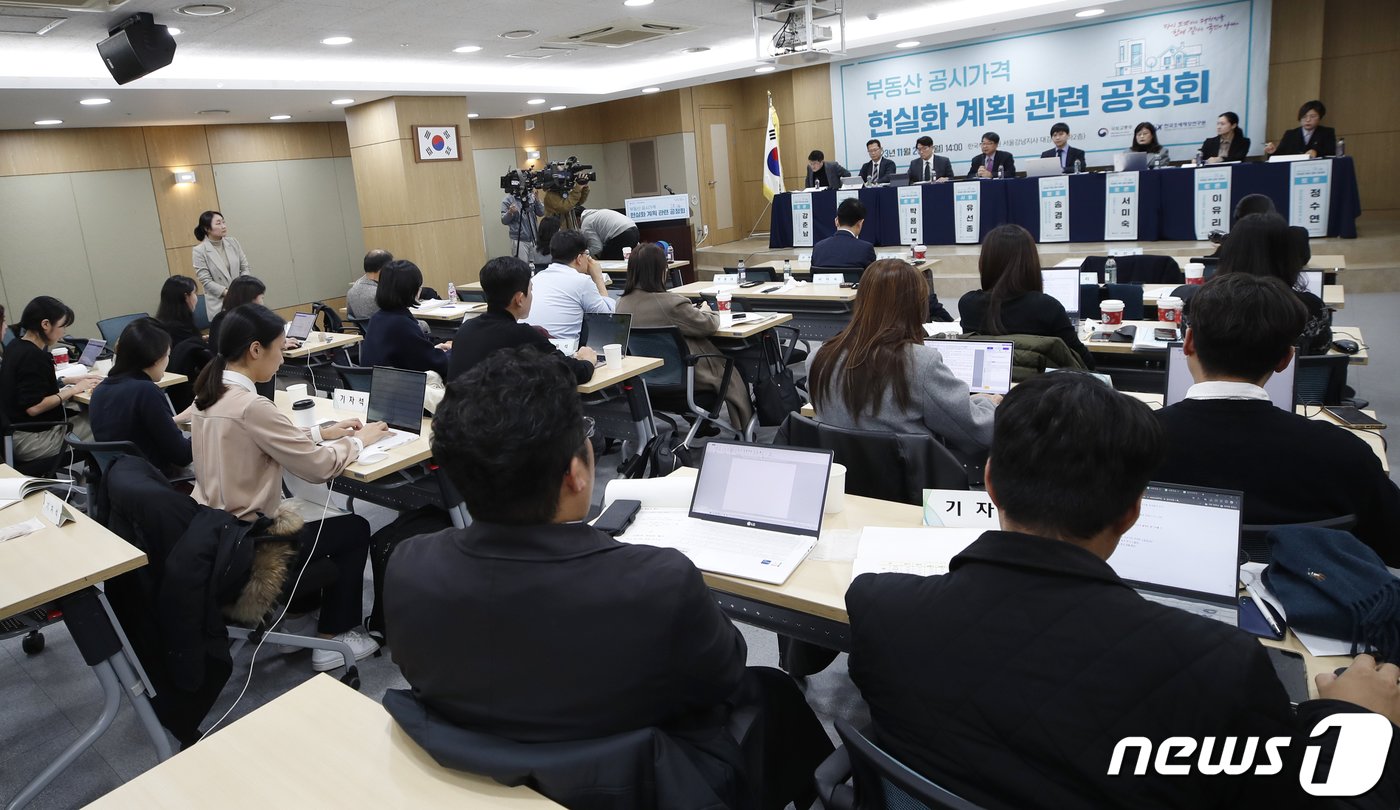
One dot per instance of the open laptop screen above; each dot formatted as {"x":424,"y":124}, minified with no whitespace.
{"x":1311,"y":280}
{"x":762,"y":486}
{"x":1062,"y":284}
{"x":396,"y":398}
{"x":605,"y":328}
{"x":91,"y":351}
{"x":301,"y":325}
{"x":1279,"y":387}
{"x":985,"y":365}
{"x":1187,"y":542}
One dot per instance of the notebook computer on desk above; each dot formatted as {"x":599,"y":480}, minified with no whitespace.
{"x":985,"y":365}
{"x":396,"y":399}
{"x":1130,"y":161}
{"x":1280,"y":386}
{"x":1184,"y":550}
{"x":1042,"y":167}
{"x":300,"y":327}
{"x":756,"y":511}
{"x":91,"y":352}
{"x":605,"y":328}
{"x":1062,"y":284}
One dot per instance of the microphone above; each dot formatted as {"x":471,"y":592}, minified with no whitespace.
{"x":668,"y":188}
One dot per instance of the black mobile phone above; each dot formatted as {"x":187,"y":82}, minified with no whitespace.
{"x":1164,"y":334}
{"x":748,"y":284}
{"x":1252,"y":619}
{"x":1292,"y":672}
{"x":617,"y":517}
{"x":1353,"y":417}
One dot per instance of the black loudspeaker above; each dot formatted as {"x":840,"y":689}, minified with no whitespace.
{"x":136,"y":47}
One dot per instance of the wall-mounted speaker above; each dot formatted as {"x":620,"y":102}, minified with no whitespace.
{"x":136,"y":47}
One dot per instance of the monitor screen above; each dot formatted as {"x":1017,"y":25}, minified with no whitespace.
{"x":607,"y":327}
{"x":1186,"y":542}
{"x":1062,"y":284}
{"x":300,"y":327}
{"x":985,"y":365}
{"x":763,"y":486}
{"x":396,"y":398}
{"x":1279,"y":386}
{"x":1311,"y":280}
{"x":91,"y":351}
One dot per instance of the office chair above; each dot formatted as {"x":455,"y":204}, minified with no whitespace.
{"x":356,"y":377}
{"x":320,"y":376}
{"x":201,"y":314}
{"x":1254,"y":537}
{"x":1091,"y":295}
{"x":326,"y":319}
{"x":754,"y":273}
{"x":672,"y":387}
{"x":1319,"y":379}
{"x":880,"y":782}
{"x":111,"y":328}
{"x":1138,"y":269}
{"x":38,"y":467}
{"x":880,"y":464}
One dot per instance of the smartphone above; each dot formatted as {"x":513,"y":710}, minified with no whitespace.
{"x":1353,"y":417}
{"x":1292,"y":672}
{"x":748,"y":284}
{"x":1252,"y":619}
{"x":617,"y":517}
{"x":1165,"y":334}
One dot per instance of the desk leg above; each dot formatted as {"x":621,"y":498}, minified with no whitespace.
{"x":639,"y":403}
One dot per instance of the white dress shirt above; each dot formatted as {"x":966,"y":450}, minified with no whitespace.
{"x":1225,"y":389}
{"x":561,"y":296}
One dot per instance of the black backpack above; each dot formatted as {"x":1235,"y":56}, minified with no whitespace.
{"x":423,"y":520}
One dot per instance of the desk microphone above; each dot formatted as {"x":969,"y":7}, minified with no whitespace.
{"x":668,"y":188}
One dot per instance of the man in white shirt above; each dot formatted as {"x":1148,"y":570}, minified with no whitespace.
{"x":567,"y":288}
{"x":608,"y":232}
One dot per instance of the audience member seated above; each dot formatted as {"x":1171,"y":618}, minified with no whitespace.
{"x":571,"y":285}
{"x":1262,"y":245}
{"x":1311,"y":138}
{"x":1012,"y":300}
{"x":129,"y":407}
{"x":359,"y":301}
{"x":505,"y":281}
{"x":548,"y":227}
{"x":242,"y":444}
{"x":545,"y":629}
{"x":1263,"y":204}
{"x":29,"y":389}
{"x":176,"y":311}
{"x":1227,"y":434}
{"x":878,"y":374}
{"x":650,"y":304}
{"x":1011,"y":679}
{"x":394,"y":337}
{"x":845,"y":248}
{"x":242,"y":290}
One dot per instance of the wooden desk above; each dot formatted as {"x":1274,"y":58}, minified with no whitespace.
{"x":1361,"y":358}
{"x":168,"y":380}
{"x":1328,"y":263}
{"x":631,"y":367}
{"x":318,"y":342}
{"x":819,"y":311}
{"x":351,"y":753}
{"x":398,"y":458}
{"x":768,"y":291}
{"x":748,"y":328}
{"x":449,"y":313}
{"x":1333,"y":295}
{"x":615,"y":268}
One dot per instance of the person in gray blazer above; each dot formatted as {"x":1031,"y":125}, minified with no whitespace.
{"x":218,"y":260}
{"x":928,"y":167}
{"x":823,"y":173}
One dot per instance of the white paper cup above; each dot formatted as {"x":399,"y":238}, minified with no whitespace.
{"x":722,"y":304}
{"x":1169,"y":309}
{"x":298,"y":391}
{"x":60,"y":355}
{"x":626,"y":253}
{"x":612,"y":353}
{"x":1195,"y":273}
{"x":304,"y":413}
{"x":1112,"y":310}
{"x":836,"y":489}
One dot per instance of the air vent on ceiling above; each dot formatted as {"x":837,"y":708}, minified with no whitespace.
{"x":65,"y":5}
{"x":622,"y":33}
{"x":542,"y":52}
{"x":15,"y":24}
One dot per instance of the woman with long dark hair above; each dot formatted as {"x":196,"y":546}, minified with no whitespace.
{"x":878,"y":374}
{"x":29,"y":390}
{"x":394,"y":337}
{"x":242,"y":290}
{"x":1145,"y":140}
{"x":176,"y":311}
{"x":1263,"y":245}
{"x":129,"y":407}
{"x":242,"y":444}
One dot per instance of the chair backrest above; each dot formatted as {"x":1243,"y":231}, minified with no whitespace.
{"x":665,"y":343}
{"x":1319,"y":379}
{"x":320,"y":375}
{"x":884,"y":783}
{"x":473,"y":296}
{"x":356,"y":378}
{"x":754,"y":273}
{"x":880,"y":464}
{"x":326,"y":318}
{"x":1254,"y":537}
{"x":111,"y":328}
{"x":1138,"y":269}
{"x":201,"y":313}
{"x":1131,"y":296}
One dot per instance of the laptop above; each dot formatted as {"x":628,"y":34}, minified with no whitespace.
{"x":985,"y":365}
{"x":1042,"y":167}
{"x":1184,"y":550}
{"x":1062,"y":284}
{"x":396,"y":399}
{"x":852,"y":182}
{"x":1130,"y":162}
{"x":756,"y":511}
{"x":898,"y":180}
{"x":301,"y":325}
{"x":605,"y":328}
{"x":91,"y":352}
{"x":1311,"y":281}
{"x":1279,"y":387}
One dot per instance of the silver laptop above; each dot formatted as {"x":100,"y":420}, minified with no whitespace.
{"x":1043,"y":167}
{"x":985,"y":365}
{"x":1280,"y":386}
{"x":396,"y":399}
{"x":1311,"y":281}
{"x":1184,"y":550}
{"x":1062,"y":284}
{"x":756,"y":512}
{"x":301,"y":325}
{"x":852,"y":182}
{"x":91,"y":352}
{"x":1130,"y":161}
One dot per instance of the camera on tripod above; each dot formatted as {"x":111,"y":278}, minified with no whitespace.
{"x":561,"y":176}
{"x":520,"y":182}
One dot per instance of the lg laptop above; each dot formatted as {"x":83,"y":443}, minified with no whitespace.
{"x":1184,"y":550}
{"x":605,"y":328}
{"x":300,"y":328}
{"x":985,"y":365}
{"x":1062,"y":284}
{"x":396,"y":399}
{"x":756,"y":511}
{"x":1279,"y":387}
{"x":1130,"y":162}
{"x":1043,"y":167}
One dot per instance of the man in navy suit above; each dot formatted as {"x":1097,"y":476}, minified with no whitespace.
{"x":879,"y":169}
{"x":822,"y":173}
{"x":1067,"y":154}
{"x":845,"y":248}
{"x":928,"y":167}
{"x":992,"y":162}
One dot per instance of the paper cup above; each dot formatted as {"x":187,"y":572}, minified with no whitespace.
{"x":1169,"y":309}
{"x":726,"y":315}
{"x":304,"y":412}
{"x":297,"y":391}
{"x":836,"y":489}
{"x":612,"y":353}
{"x":919,"y":251}
{"x":626,"y":253}
{"x":1195,"y":273}
{"x":1112,"y":310}
{"x":60,"y":355}
{"x":102,"y":367}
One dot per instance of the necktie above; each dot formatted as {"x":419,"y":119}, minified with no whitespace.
{"x":926,"y":175}
{"x":1060,"y":153}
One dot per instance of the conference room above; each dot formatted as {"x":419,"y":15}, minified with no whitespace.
{"x":191,"y":163}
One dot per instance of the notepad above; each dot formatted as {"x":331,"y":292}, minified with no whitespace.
{"x":14,"y":490}
{"x":924,"y":552}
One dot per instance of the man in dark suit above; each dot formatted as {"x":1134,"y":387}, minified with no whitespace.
{"x":992,"y":162}
{"x":1057,"y":658}
{"x":824,"y":174}
{"x":1059,"y":135}
{"x":845,"y":247}
{"x":1310,"y":137}
{"x":533,"y":626}
{"x":879,"y":169}
{"x":928,"y":167}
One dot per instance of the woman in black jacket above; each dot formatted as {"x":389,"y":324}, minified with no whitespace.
{"x":176,"y":311}
{"x":128,"y":407}
{"x":1229,"y":143}
{"x":394,"y":338}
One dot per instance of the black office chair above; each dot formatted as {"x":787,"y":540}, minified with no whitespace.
{"x":1254,"y":537}
{"x":1091,"y":295}
{"x":111,"y":328}
{"x":471,"y":296}
{"x":671,"y":387}
{"x":880,"y":782}
{"x":325,"y":318}
{"x":1319,"y":379}
{"x":753,"y":273}
{"x":201,"y":314}
{"x":1138,"y":269}
{"x":356,"y":377}
{"x":320,"y":376}
{"x":880,"y":464}
{"x":37,"y":467}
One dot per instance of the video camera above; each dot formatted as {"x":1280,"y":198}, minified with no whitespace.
{"x":560,"y":176}
{"x":519,"y":182}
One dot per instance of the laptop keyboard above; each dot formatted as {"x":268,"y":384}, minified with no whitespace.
{"x":1229,"y":616}
{"x":672,"y":528}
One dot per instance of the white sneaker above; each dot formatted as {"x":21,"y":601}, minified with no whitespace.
{"x":303,"y":625}
{"x":360,"y":644}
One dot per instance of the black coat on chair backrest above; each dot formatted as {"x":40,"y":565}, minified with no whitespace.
{"x":188,"y":357}
{"x":1138,"y":269}
{"x":879,"y":464}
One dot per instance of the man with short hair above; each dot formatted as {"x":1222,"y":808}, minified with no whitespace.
{"x":845,"y":247}
{"x":359,"y":301}
{"x":506,"y":283}
{"x":1227,"y":434}
{"x":608,"y":232}
{"x":1069,"y":156}
{"x":879,"y":169}
{"x":570,"y":286}
{"x":992,"y":163}
{"x":522,"y":220}
{"x":822,"y":173}
{"x":1011,"y":679}
{"x":929,"y":167}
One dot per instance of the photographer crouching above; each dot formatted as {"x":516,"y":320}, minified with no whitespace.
{"x":608,"y":232}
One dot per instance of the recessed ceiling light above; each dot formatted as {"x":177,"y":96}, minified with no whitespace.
{"x":534,"y":101}
{"x":696,"y":49}
{"x":558,"y":107}
{"x":48,"y":122}
{"x":467,"y":49}
{"x":473,"y":115}
{"x":95,"y":102}
{"x":765,"y":69}
{"x":204,"y":9}
{"x":212,"y":112}
{"x":637,"y":2}
{"x":651,"y":89}
{"x":342,"y":102}
{"x":912,"y":43}
{"x":174,"y":32}
{"x":519,"y":33}
{"x":1089,"y":12}
{"x":282,"y":117}
{"x":337,"y":41}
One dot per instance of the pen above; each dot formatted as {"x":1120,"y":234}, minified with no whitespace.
{"x":1263,"y":607}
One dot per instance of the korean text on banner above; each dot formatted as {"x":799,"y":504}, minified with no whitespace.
{"x":802,"y":219}
{"x":1054,"y":209}
{"x":967,"y":213}
{"x":911,"y":215}
{"x":1121,"y":206}
{"x":1310,"y":195}
{"x":1212,"y":200}
{"x":772,"y":166}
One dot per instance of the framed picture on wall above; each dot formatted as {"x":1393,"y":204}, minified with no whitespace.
{"x":435,"y":143}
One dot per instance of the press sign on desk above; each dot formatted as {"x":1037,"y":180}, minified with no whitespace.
{"x":347,"y":399}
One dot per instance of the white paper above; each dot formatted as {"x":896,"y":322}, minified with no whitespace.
{"x":836,"y":545}
{"x":967,"y":213}
{"x":926,"y":551}
{"x":911,"y":215}
{"x":1212,"y":201}
{"x":802,"y":219}
{"x":1054,"y":209}
{"x":672,"y":491}
{"x":1121,"y":206}
{"x":20,"y":529}
{"x":1310,"y":200}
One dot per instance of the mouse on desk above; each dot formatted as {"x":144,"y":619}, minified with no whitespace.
{"x":372,"y":457}
{"x":1346,"y":346}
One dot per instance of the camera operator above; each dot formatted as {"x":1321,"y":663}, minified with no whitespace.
{"x":608,"y":232}
{"x":521,"y":217}
{"x":561,"y":198}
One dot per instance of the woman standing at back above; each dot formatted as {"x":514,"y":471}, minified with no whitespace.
{"x":218,"y":260}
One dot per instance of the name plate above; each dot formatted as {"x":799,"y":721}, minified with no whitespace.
{"x":828,"y":278}
{"x":959,"y":509}
{"x":56,"y":510}
{"x":348,"y":399}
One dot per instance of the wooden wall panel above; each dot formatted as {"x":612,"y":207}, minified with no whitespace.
{"x":1378,"y":158}
{"x":180,"y":262}
{"x":1360,"y":26}
{"x":811,"y":93}
{"x":493,"y":133}
{"x":798,"y":140}
{"x":379,"y":184}
{"x":71,"y":150}
{"x":439,"y":190}
{"x":449,"y":250}
{"x":1296,"y":32}
{"x":179,"y":206}
{"x":177,"y":147}
{"x":536,"y":138}
{"x":575,"y":125}
{"x":374,"y":122}
{"x":1290,"y":84}
{"x":1360,"y":92}
{"x":248,"y":143}
{"x":340,"y":139}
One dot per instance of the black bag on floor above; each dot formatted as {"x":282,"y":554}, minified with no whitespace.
{"x":423,"y":520}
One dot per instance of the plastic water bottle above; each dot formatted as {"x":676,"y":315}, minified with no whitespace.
{"x":743,"y":272}
{"x":1110,"y":271}
{"x":670,"y":254}
{"x":1341,"y":147}
{"x":1078,"y":166}
{"x":1001,"y":172}
{"x":451,"y":292}
{"x":1200,"y":158}
{"x":787,"y":271}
